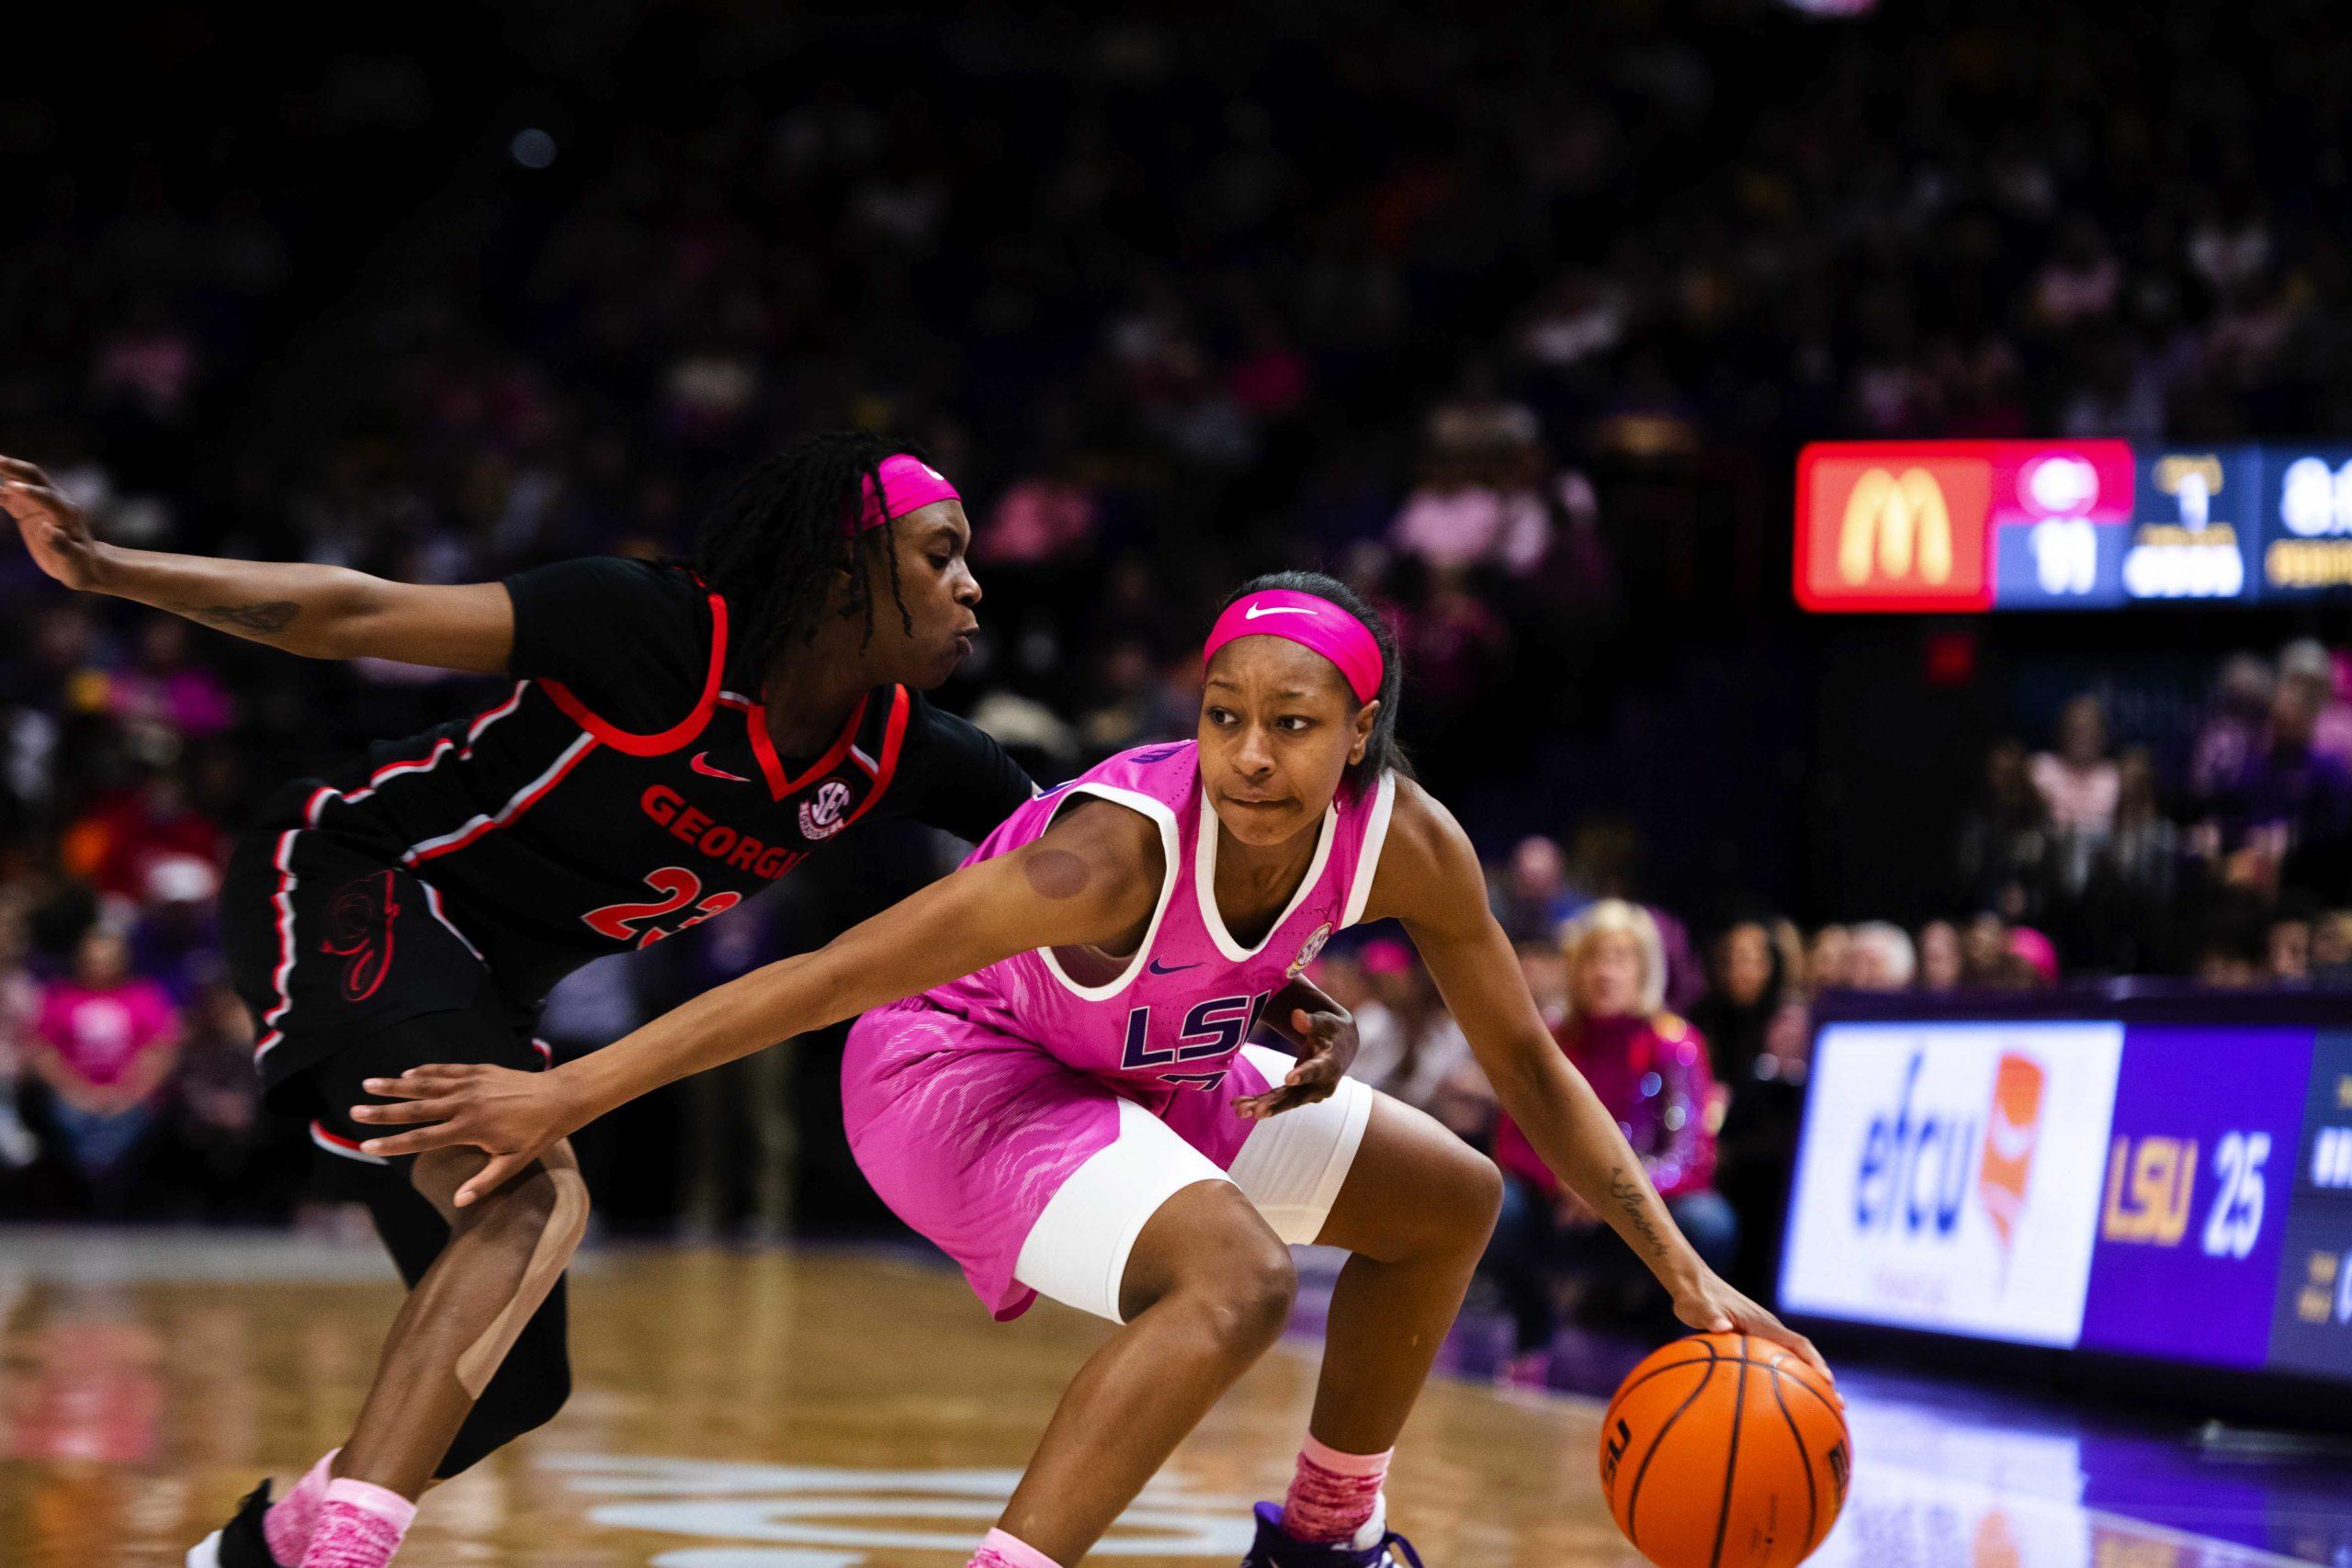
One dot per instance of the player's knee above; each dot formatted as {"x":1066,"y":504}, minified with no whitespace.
{"x":543,"y":1213}
{"x":1246,"y":1298}
{"x":1476,"y":1193}
{"x":566,"y":1217}
{"x":1456,"y":1197}
{"x":521,"y":1210}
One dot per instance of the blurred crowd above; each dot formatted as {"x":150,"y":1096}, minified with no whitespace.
{"x":2220,"y":846}
{"x":1515,"y":325}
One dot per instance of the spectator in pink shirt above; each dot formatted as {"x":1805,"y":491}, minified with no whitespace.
{"x":1651,"y":1069}
{"x":1488,"y":497}
{"x":103,"y":1044}
{"x":2079,"y":783}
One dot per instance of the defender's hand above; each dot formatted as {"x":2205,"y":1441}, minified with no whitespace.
{"x":1321,"y":1065}
{"x":54,"y":530}
{"x":1711,"y":1305}
{"x":516,"y":1117}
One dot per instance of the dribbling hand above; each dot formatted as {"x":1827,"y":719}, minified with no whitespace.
{"x":1714,"y":1307}
{"x":55,"y":532}
{"x":515,"y":1117}
{"x":1322,"y":1063}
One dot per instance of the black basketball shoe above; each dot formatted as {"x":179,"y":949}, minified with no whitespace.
{"x":239,"y":1543}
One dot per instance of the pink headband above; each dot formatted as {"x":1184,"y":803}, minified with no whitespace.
{"x":907,"y":484}
{"x":1309,"y":622}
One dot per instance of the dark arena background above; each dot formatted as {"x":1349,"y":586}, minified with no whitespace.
{"x":1864,"y":493}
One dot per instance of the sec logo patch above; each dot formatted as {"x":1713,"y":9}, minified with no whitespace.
{"x":821,"y":816}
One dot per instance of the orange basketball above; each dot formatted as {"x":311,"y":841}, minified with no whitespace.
{"x":1724,"y":1451}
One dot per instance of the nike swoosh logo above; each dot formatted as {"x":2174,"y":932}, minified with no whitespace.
{"x":1159,"y":968}
{"x":701,"y":765}
{"x":1254,"y":611}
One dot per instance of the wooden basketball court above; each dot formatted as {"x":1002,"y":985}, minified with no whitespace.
{"x":776,"y":1409}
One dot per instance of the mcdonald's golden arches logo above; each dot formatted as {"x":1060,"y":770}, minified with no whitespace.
{"x":1885,"y":525}
{"x":1896,"y":525}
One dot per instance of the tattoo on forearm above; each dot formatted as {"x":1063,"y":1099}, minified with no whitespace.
{"x":1635,"y":1201}
{"x":266,"y":615}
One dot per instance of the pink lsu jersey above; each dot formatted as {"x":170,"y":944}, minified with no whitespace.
{"x":1174,"y":1015}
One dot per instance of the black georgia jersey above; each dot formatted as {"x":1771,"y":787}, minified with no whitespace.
{"x":620,"y":793}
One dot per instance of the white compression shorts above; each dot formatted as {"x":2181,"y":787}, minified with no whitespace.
{"x":1291,"y":1168}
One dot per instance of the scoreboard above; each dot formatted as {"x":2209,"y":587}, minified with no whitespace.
{"x":1976,"y":525}
{"x":2167,"y":1185}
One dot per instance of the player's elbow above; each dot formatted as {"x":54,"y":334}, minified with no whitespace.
{"x":340,"y":617}
{"x":323,"y":641}
{"x":1528,"y":1080}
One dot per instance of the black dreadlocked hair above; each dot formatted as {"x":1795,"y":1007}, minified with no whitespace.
{"x":1383,"y":754}
{"x":771,"y":544}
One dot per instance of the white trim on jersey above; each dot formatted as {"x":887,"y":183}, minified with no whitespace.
{"x":1167,"y":820}
{"x":283,"y":975}
{"x":342,"y":1149}
{"x":515,"y":806}
{"x":424,"y":764}
{"x":1204,"y":880}
{"x":1375,"y":835}
{"x":473,"y":731}
{"x":433,"y":908}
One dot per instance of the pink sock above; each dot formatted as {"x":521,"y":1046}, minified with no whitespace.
{"x":1334,"y":1495}
{"x":1003,"y":1550}
{"x":291,"y":1519}
{"x":360,"y":1525}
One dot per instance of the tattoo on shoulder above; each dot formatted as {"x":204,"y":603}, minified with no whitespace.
{"x":1633,"y":1200}
{"x":264,"y":616}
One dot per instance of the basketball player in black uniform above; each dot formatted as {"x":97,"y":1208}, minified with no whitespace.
{"x":676,"y":739}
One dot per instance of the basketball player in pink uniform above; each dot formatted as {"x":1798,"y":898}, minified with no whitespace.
{"x":1064,"y":1101}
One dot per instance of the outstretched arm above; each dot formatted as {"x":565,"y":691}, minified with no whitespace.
{"x":1092,"y":877}
{"x":1429,"y":879}
{"x":321,"y":612}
